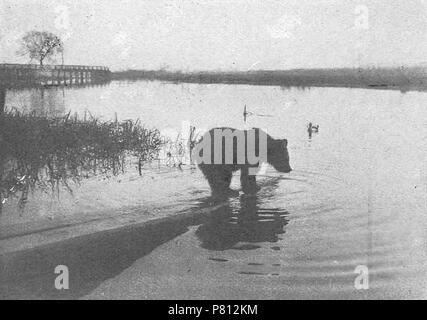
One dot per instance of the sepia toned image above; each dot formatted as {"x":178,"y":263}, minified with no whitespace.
{"x":238,"y":150}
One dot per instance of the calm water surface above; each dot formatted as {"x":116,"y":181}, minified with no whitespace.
{"x":357,"y":195}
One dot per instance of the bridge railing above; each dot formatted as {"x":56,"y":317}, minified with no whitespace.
{"x":51,"y":67}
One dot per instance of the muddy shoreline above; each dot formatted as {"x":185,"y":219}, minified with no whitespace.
{"x":93,"y":258}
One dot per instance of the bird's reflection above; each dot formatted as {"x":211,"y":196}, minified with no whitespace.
{"x":241,"y":223}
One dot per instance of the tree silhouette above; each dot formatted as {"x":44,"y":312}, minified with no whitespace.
{"x":40,"y":45}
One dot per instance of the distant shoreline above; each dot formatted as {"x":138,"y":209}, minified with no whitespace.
{"x":403,"y":79}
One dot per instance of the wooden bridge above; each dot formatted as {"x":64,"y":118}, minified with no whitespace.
{"x":54,"y":75}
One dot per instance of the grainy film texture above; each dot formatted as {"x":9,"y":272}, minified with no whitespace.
{"x":195,"y":149}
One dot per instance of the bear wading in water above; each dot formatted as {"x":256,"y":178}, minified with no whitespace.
{"x":222,"y":151}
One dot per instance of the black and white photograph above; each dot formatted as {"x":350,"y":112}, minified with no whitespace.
{"x":215,"y":150}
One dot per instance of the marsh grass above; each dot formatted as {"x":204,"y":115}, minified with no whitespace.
{"x":178,"y":150}
{"x":401,"y":78}
{"x":49,"y":153}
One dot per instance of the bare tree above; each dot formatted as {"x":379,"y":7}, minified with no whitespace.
{"x":40,"y":45}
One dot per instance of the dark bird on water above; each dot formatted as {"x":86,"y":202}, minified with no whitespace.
{"x":312,"y":129}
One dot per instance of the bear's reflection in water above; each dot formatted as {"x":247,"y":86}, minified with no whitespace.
{"x":242,"y":223}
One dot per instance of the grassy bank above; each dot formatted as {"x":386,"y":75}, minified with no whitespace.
{"x":413,"y":78}
{"x":49,"y":153}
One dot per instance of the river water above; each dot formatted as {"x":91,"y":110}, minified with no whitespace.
{"x":356,"y":198}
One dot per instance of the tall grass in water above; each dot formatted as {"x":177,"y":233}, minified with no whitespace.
{"x":48,"y":153}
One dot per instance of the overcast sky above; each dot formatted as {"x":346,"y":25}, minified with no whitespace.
{"x":223,"y":35}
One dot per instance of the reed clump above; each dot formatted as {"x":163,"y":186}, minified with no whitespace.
{"x":48,"y":153}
